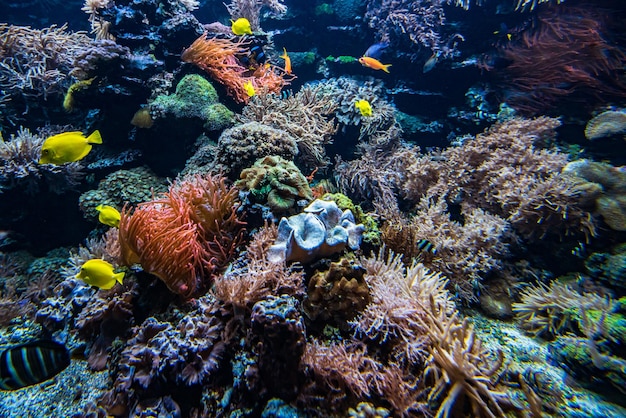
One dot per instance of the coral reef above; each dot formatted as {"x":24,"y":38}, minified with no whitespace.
{"x":306,"y":116}
{"x":242,"y":145}
{"x":185,"y":237}
{"x":195,"y":97}
{"x":122,"y":187}
{"x":323,"y":229}
{"x":277,"y":182}
{"x":217,"y":57}
{"x":605,"y":124}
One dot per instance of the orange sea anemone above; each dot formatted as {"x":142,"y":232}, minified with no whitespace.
{"x":185,"y":237}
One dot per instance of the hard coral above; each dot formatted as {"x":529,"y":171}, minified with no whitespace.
{"x":276,"y":180}
{"x":240,"y":146}
{"x":185,"y":237}
{"x":195,"y":97}
{"x":340,"y":292}
{"x":323,"y":229}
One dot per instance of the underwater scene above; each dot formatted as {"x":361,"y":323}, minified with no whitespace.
{"x":322,"y":208}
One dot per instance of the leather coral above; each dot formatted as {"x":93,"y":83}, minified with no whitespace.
{"x":186,"y":236}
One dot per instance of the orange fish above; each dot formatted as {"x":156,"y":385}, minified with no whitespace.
{"x":287,"y":61}
{"x":374,"y":64}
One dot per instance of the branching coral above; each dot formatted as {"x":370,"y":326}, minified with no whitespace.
{"x":306,"y":116}
{"x":20,"y":169}
{"x":217,"y":57}
{"x":185,"y":237}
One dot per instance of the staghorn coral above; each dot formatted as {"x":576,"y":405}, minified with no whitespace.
{"x":186,"y":236}
{"x":251,"y":10}
{"x":276,"y":181}
{"x":217,"y":57}
{"x":20,"y":168}
{"x":305,"y":115}
{"x":195,"y":98}
{"x":322,"y":230}
{"x":242,"y":145}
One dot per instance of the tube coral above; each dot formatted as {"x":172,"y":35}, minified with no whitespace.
{"x":185,"y":237}
{"x":217,"y":57}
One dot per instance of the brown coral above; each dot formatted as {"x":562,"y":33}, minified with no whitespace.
{"x":185,"y":237}
{"x":340,"y":292}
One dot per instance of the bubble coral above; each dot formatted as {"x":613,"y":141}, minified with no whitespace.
{"x":186,"y":236}
{"x":277,"y":180}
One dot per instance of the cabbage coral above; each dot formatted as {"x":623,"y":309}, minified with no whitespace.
{"x":185,"y":237}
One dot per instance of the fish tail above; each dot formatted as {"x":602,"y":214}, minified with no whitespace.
{"x":284,"y":56}
{"x":386,"y":68}
{"x":95,"y":138}
{"x":118,"y":277}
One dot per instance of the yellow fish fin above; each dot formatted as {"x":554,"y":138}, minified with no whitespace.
{"x":95,"y":137}
{"x":386,"y":68}
{"x":284,"y":56}
{"x":118,"y":277}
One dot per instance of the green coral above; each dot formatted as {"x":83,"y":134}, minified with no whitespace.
{"x":195,"y":97}
{"x":132,"y":186}
{"x":277,"y":181}
{"x":324,"y":9}
{"x":342,"y":59}
{"x":372,"y":232}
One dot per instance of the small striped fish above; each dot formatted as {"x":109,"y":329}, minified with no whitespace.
{"x":31,"y":363}
{"x":426,"y":246}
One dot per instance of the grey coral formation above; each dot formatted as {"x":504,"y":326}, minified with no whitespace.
{"x":122,"y":187}
{"x":322,"y":230}
{"x":240,"y":146}
{"x":19,"y":166}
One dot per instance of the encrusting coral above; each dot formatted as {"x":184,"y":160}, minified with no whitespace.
{"x":185,"y":237}
{"x":278,"y":182}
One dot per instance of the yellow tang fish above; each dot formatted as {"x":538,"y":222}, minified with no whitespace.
{"x":67,"y":147}
{"x":108,"y":215}
{"x":99,"y":273}
{"x":241,"y":26}
{"x":364,"y":107}
{"x":374,"y":64}
{"x":249,"y":88}
{"x":287,"y":61}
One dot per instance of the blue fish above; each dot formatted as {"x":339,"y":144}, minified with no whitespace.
{"x":376,"y":50}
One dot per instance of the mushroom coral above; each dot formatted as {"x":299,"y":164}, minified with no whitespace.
{"x":186,"y":236}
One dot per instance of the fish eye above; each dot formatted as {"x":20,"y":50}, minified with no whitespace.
{"x":45,"y":151}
